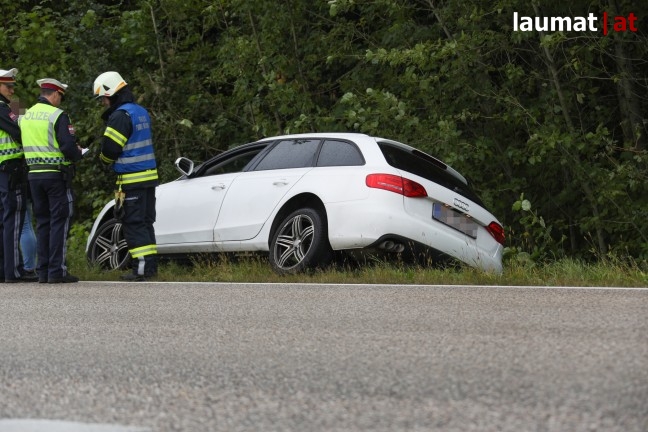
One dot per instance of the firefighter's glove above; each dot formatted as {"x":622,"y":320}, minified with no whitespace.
{"x":118,"y":210}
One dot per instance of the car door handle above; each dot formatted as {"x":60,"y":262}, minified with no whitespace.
{"x":219,"y":186}
{"x":282,"y":182}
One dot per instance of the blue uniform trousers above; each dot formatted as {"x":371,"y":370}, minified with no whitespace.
{"x":53,"y":209}
{"x":13,"y":215}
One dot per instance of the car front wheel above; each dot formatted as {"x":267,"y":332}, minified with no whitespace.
{"x":300,"y":242}
{"x":108,"y":248}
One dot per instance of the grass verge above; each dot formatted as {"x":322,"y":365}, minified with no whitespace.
{"x":564,"y":272}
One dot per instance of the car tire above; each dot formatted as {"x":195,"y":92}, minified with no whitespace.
{"x":108,"y":248}
{"x":300,"y":242}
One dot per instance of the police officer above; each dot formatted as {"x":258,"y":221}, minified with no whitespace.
{"x":12,"y":185}
{"x":127,"y":145}
{"x":50,"y":149}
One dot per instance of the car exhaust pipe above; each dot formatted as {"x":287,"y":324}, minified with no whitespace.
{"x":391,"y":246}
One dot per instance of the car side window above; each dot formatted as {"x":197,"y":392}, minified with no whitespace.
{"x":290,"y":154}
{"x":339,"y":153}
{"x":235,"y":164}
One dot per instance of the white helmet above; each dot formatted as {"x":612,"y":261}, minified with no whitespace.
{"x":107,"y":84}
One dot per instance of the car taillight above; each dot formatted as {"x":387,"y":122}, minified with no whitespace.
{"x":398,"y":184}
{"x":496,"y":231}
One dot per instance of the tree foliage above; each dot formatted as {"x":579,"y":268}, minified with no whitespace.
{"x":556,"y":117}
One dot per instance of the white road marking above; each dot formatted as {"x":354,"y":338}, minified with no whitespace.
{"x":43,"y":425}
{"x":315,"y":284}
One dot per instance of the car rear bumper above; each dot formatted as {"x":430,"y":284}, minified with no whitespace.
{"x":376,"y":221}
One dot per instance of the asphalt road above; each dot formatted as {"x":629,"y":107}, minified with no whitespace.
{"x":109,"y":357}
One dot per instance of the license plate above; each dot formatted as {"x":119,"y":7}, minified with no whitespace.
{"x":454,"y":219}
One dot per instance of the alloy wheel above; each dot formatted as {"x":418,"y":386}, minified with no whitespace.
{"x":108,"y":249}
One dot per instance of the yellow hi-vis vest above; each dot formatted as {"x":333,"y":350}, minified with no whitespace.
{"x":9,"y":149}
{"x":42,"y":152}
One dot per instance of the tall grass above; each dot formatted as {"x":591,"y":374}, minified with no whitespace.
{"x":255,"y":268}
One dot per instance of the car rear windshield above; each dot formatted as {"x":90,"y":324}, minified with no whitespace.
{"x":424,"y":165}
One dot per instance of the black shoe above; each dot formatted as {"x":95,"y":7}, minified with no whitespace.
{"x":132,"y":277}
{"x":68,"y":278}
{"x":27,"y":277}
{"x":31,"y":273}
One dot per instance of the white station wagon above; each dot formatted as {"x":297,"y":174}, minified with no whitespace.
{"x":301,"y":197}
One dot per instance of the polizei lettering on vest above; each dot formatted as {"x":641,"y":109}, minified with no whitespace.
{"x":40,"y":115}
{"x":525,"y":23}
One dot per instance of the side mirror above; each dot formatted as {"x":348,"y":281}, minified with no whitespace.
{"x":184,"y":165}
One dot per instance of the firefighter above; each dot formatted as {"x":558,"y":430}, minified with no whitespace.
{"x":12,"y":185}
{"x":127,"y":146}
{"x":51,"y":149}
